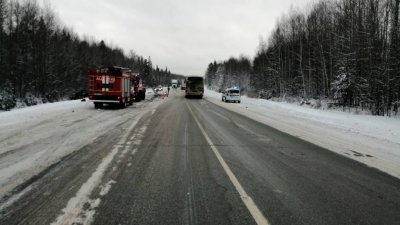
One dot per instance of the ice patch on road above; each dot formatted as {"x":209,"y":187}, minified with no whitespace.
{"x":106,"y":188}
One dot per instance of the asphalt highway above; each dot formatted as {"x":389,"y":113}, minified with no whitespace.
{"x":189,"y":161}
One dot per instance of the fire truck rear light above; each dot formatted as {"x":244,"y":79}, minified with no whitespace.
{"x":119,"y":97}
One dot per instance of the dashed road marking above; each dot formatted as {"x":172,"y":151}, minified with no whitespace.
{"x":247,"y":200}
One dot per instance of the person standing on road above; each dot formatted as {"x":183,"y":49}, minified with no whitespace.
{"x":168,"y":92}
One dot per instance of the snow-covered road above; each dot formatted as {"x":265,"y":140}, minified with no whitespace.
{"x":372,"y":140}
{"x":190,"y":155}
{"x":34,"y":138}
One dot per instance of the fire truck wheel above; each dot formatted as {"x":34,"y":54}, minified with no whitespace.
{"x":98,"y":105}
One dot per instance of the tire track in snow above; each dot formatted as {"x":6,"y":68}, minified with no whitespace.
{"x":72,"y":213}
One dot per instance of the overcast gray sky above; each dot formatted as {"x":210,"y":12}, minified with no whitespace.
{"x":181,"y":34}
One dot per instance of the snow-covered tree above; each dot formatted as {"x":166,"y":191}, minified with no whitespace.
{"x":341,"y":86}
{"x":344,"y":50}
{"x":8,"y":99}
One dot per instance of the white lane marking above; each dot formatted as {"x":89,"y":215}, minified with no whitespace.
{"x":247,"y":200}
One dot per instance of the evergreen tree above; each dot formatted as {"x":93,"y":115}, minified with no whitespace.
{"x":347,"y":51}
{"x":41,"y":61}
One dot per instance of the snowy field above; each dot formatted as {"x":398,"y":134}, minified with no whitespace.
{"x":372,"y":140}
{"x":33,"y":138}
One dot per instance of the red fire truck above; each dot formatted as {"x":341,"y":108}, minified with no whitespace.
{"x":111,"y":85}
{"x":139,"y":89}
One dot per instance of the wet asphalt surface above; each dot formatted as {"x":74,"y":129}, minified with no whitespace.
{"x":169,"y":175}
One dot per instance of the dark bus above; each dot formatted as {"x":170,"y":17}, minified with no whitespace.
{"x":194,"y":87}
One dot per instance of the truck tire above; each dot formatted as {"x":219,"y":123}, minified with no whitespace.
{"x":98,"y":105}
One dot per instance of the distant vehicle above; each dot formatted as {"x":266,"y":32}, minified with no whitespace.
{"x":158,"y":88}
{"x":183,"y":84}
{"x":194,"y":87}
{"x":231,"y":95}
{"x":174,"y":83}
{"x":111,"y":85}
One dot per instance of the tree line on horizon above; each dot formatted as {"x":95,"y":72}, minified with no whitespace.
{"x":43,"y":61}
{"x":343,"y":51}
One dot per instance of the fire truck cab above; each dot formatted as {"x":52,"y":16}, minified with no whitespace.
{"x":111,"y":85}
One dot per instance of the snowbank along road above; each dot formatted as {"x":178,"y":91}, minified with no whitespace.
{"x":188,"y":161}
